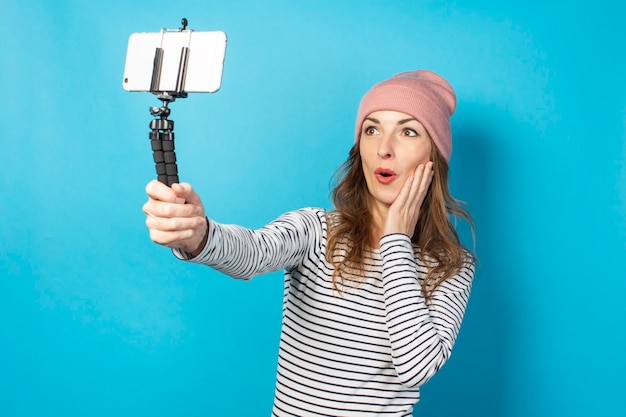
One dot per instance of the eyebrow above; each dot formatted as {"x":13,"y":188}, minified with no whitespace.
{"x":400,"y":122}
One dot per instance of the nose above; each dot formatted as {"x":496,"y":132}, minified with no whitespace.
{"x":385,"y":148}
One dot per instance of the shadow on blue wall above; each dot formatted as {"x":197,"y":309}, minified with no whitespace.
{"x":473,"y":382}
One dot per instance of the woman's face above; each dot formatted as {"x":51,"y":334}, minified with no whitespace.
{"x":392,"y":145}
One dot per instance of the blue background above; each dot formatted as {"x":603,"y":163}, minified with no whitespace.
{"x":97,"y":320}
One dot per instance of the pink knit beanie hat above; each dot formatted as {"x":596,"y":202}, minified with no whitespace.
{"x":421,"y":94}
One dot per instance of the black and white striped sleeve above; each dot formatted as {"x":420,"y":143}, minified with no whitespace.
{"x":244,"y":253}
{"x":421,"y":335}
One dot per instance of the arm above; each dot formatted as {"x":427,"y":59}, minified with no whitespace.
{"x":176,"y":218}
{"x":421,"y":335}
{"x":244,"y":253}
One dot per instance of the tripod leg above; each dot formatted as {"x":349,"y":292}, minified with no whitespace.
{"x":163,"y":151}
{"x":169,"y":158}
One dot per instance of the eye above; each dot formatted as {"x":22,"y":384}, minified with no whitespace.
{"x":370,"y":130}
{"x":409,"y":132}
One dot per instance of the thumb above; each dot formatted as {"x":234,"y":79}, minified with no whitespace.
{"x":185,"y":193}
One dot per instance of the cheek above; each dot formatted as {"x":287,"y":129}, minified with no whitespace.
{"x":366,"y":155}
{"x":427,"y":152}
{"x":421,"y":156}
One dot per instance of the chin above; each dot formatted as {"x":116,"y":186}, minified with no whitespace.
{"x":386,"y":200}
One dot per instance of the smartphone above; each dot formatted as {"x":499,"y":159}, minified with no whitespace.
{"x":156,"y":60}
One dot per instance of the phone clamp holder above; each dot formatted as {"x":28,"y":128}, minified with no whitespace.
{"x":162,"y":142}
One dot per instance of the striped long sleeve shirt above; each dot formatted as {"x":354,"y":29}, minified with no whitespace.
{"x":364,"y":350}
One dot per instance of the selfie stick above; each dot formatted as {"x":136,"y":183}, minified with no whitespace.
{"x":162,"y":128}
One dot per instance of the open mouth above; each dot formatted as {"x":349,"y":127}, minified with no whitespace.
{"x":385,"y":175}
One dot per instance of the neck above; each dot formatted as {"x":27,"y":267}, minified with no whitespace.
{"x":379,"y":216}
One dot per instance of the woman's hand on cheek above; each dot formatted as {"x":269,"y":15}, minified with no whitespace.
{"x":405,"y":210}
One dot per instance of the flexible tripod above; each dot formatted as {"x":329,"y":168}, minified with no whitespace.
{"x":162,"y":141}
{"x":162,"y":129}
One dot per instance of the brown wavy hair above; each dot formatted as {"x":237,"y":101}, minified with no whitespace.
{"x":435,"y":235}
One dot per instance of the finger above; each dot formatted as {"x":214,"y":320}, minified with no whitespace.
{"x":185,"y":225}
{"x":415,"y":187}
{"x":186,"y":192}
{"x":427,"y":178}
{"x":158,"y":208}
{"x":170,"y":239}
{"x":159,"y":191}
{"x":181,"y":237}
{"x":405,"y":191}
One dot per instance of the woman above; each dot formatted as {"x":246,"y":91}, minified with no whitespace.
{"x":375,"y":290}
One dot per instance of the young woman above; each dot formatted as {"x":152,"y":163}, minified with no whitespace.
{"x":376,"y":289}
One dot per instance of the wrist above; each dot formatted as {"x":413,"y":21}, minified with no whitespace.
{"x":205,"y":237}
